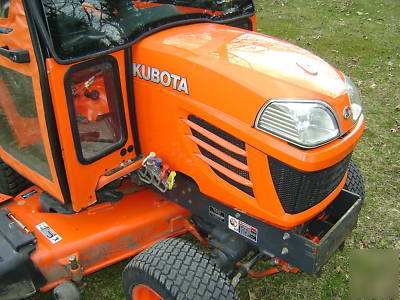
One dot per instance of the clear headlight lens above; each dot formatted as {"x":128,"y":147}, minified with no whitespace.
{"x":306,"y":123}
{"x":355,"y":99}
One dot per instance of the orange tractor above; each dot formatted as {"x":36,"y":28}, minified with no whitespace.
{"x":125,"y":124}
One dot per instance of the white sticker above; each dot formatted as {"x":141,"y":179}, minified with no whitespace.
{"x":242,"y":228}
{"x":48,"y":232}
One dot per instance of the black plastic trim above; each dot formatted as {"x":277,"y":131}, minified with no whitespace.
{"x":241,"y":158}
{"x":130,"y":91}
{"x":217,"y":131}
{"x":119,"y":103}
{"x":243,"y":23}
{"x":221,"y":162}
{"x":16,"y":266}
{"x":299,"y":190}
{"x":243,"y":188}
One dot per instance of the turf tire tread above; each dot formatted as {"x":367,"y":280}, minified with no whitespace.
{"x":11,"y":183}
{"x":181,"y":270}
{"x":355,"y":182}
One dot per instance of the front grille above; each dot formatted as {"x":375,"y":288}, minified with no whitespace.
{"x":223,"y":163}
{"x":222,"y":134}
{"x":222,"y":153}
{"x":241,"y":158}
{"x":298,"y":190}
{"x":243,"y":188}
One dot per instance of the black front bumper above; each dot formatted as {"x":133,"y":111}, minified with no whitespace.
{"x":309,"y":255}
{"x":19,"y":278}
{"x":292,"y":246}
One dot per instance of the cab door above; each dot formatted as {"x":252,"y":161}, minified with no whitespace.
{"x":24,"y":134}
{"x":92,"y":114}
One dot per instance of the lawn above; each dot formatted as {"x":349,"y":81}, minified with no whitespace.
{"x":361,"y":38}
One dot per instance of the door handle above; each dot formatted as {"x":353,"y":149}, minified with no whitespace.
{"x":18,"y":55}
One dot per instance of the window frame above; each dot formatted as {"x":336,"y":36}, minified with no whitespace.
{"x":37,"y":10}
{"x":119,"y":107}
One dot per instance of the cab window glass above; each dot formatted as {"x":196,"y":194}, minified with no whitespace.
{"x":4,"y":7}
{"x":80,"y":28}
{"x":96,"y":108}
{"x":20,"y":132}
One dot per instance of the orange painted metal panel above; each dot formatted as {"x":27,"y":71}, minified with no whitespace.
{"x":231,"y":73}
{"x":101,"y":235}
{"x":83,"y":179}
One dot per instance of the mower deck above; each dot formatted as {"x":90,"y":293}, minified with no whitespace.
{"x":99,"y":236}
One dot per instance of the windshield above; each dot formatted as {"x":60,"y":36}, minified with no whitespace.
{"x":80,"y":28}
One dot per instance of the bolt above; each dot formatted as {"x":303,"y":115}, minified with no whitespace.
{"x":237,"y":215}
{"x":73,"y":262}
{"x":286,"y":236}
{"x":285,"y":251}
{"x":190,"y":201}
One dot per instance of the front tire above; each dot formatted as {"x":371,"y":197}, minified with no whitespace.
{"x":175,"y":269}
{"x":355,"y":181}
{"x":66,"y":291}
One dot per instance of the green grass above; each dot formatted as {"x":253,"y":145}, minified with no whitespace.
{"x":361,"y":38}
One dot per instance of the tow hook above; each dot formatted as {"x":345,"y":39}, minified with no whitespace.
{"x":154,"y":172}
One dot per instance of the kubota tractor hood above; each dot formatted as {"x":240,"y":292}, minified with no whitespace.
{"x":223,"y":64}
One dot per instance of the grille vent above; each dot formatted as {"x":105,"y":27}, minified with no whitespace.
{"x":222,"y":134}
{"x":225,"y":153}
{"x":298,"y":190}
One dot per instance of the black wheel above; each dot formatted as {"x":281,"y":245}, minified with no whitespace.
{"x":175,"y":269}
{"x":355,"y":182}
{"x":11,"y":183}
{"x":66,"y":291}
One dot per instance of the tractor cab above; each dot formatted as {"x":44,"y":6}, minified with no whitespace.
{"x":125,"y":124}
{"x":67,"y":76}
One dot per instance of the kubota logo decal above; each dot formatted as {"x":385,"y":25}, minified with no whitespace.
{"x":164,"y":77}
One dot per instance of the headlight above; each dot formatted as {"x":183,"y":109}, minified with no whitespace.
{"x":355,"y":99}
{"x":306,"y":123}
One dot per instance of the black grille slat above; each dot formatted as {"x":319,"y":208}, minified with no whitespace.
{"x":298,"y":190}
{"x":243,"y":188}
{"x":206,"y":140}
{"x":219,"y":132}
{"x":230,"y":139}
{"x":223,"y":163}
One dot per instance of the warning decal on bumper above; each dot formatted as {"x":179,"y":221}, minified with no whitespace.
{"x":48,"y":232}
{"x":243,"y":228}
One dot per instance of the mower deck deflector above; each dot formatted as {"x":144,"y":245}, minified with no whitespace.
{"x":15,"y":245}
{"x":98,"y":236}
{"x":18,"y":277}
